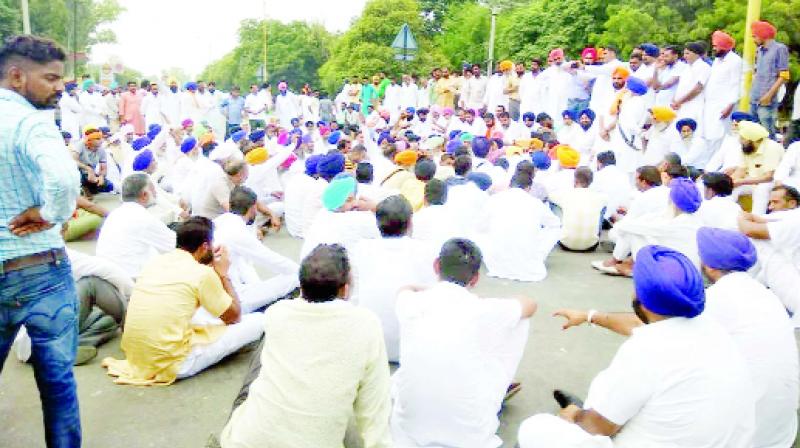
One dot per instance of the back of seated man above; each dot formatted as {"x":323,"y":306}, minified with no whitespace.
{"x":159,"y":341}
{"x":581,"y":213}
{"x":433,"y":224}
{"x":385,"y":265}
{"x":326,"y":365}
{"x":718,"y":209}
{"x":131,"y":236}
{"x":458,"y":356}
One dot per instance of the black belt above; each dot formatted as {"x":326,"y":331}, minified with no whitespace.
{"x":27,"y":261}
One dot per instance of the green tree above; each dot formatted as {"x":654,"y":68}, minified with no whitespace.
{"x":465,"y":33}
{"x":364,"y":49}
{"x":436,"y":12}
{"x":295,"y":52}
{"x":10,"y":20}
{"x":534,"y":29}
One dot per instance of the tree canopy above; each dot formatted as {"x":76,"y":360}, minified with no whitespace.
{"x":295,"y":52}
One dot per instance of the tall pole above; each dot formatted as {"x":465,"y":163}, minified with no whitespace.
{"x":264,"y":54}
{"x":749,"y":55}
{"x":26,"y":18}
{"x":491,"y":42}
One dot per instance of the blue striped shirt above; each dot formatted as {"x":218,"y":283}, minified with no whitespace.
{"x":36,"y":170}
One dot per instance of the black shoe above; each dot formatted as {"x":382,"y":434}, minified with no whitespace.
{"x":565,"y":399}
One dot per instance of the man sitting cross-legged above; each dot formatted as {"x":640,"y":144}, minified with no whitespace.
{"x":159,"y":340}
{"x":324,"y":365}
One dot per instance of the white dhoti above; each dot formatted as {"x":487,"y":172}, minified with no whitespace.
{"x":549,"y":431}
{"x":760,"y":194}
{"x":777,"y":272}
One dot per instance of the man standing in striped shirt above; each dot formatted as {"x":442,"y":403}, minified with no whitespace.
{"x":39,"y":184}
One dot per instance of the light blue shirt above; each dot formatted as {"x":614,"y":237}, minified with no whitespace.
{"x":36,"y":170}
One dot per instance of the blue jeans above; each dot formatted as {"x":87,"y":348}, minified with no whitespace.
{"x":766,"y":115}
{"x":43,"y":298}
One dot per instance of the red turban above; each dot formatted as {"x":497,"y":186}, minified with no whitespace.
{"x":723,"y":40}
{"x":589,"y":52}
{"x":763,"y":30}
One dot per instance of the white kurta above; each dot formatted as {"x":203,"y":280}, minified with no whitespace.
{"x":760,"y":327}
{"x":516,"y":236}
{"x":381,"y":268}
{"x":494,"y":94}
{"x":458,"y":356}
{"x":71,"y":111}
{"x":434,"y":225}
{"x":556,"y":82}
{"x":343,"y":228}
{"x":720,"y":212}
{"x":286,"y":108}
{"x":631,"y":118}
{"x":722,"y":90}
{"x":662,"y":138}
{"x":674,"y":383}
{"x":131,"y":236}
{"x":696,"y":73}
{"x":530,"y":93}
{"x":616,"y":185}
{"x":675,"y":232}
{"x":788,"y":171}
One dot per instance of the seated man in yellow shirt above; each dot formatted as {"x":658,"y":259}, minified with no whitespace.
{"x":761,"y":156}
{"x":159,"y":341}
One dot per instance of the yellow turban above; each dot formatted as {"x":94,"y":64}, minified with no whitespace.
{"x":752,"y":131}
{"x":513,"y":150}
{"x":567,"y":156}
{"x":505,"y":65}
{"x":663,"y":114}
{"x":622,"y":71}
{"x":257,"y":156}
{"x":406,"y":158}
{"x":524,"y":143}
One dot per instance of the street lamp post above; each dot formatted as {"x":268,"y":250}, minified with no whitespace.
{"x":26,"y":17}
{"x":491,"y":42}
{"x":749,"y":53}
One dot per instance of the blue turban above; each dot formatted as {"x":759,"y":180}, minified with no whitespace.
{"x":453,"y":134}
{"x":667,"y":282}
{"x":482,"y":180}
{"x":650,"y":50}
{"x":140,"y":143}
{"x":191,"y":85}
{"x":105,"y":130}
{"x":65,"y":134}
{"x":153,"y":126}
{"x":338,"y":191}
{"x":238,"y":136}
{"x":153,"y":132}
{"x":726,"y":250}
{"x":568,"y":113}
{"x":453,"y":146}
{"x":541,"y":161}
{"x":480,"y":147}
{"x":188,"y":144}
{"x":543,"y":116}
{"x":385,"y":136}
{"x":70,"y":86}
{"x":296,"y":131}
{"x":589,"y":113}
{"x":422,"y":110}
{"x":311,"y":164}
{"x":684,"y":194}
{"x":143,"y":160}
{"x":257,"y":135}
{"x":636,"y":86}
{"x":528,"y":116}
{"x":742,"y":116}
{"x":686,"y":122}
{"x":498,"y":142}
{"x":334,"y":137}
{"x":330,"y":165}
{"x":410,"y":110}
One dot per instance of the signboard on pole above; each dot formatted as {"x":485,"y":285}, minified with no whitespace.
{"x":405,"y":44}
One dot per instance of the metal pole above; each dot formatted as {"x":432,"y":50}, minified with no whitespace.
{"x":491,"y":42}
{"x":26,"y":18}
{"x":749,"y":54}
{"x":264,"y":56}
{"x":75,"y":40}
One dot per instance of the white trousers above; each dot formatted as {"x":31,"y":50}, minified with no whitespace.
{"x":236,"y":336}
{"x":550,"y":431}
{"x":253,"y":296}
{"x":760,"y":194}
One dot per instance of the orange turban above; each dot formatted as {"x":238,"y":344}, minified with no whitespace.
{"x":622,"y":71}
{"x":257,"y":156}
{"x":763,"y":30}
{"x":663,"y":114}
{"x":505,"y":65}
{"x":406,"y":158}
{"x":93,"y":136}
{"x":723,"y":40}
{"x":567,"y":156}
{"x":208,"y":137}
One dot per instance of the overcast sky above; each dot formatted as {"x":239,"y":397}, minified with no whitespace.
{"x":157,"y":34}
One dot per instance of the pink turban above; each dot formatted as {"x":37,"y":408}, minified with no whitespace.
{"x":283,"y":138}
{"x":589,"y":52}
{"x":763,"y":30}
{"x":556,"y":53}
{"x":723,"y":40}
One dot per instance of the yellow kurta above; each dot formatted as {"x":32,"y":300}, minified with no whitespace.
{"x":158,"y":331}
